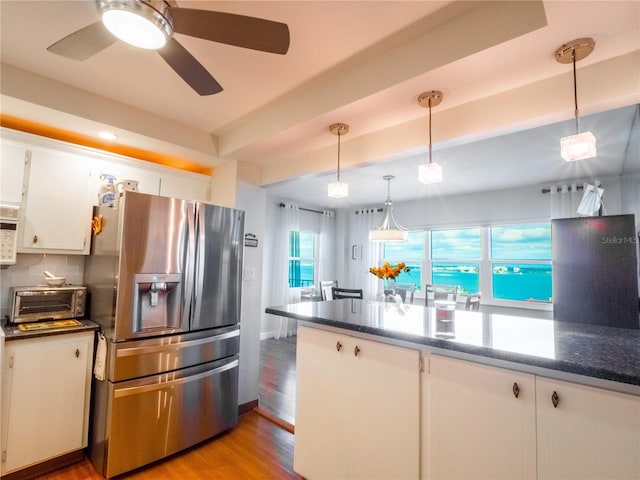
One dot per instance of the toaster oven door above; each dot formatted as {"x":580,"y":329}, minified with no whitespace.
{"x":33,"y":306}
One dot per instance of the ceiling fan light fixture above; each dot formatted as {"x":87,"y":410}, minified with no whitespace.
{"x":136,"y":23}
{"x":338,"y":189}
{"x":430,"y":172}
{"x":389,"y":230}
{"x":581,"y":145}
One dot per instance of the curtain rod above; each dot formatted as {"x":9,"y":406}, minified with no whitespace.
{"x":282,"y":205}
{"x":559,"y":189}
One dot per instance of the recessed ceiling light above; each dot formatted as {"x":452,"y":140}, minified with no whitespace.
{"x":107,"y":135}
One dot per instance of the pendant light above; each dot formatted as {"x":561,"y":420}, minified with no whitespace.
{"x":580,"y":145}
{"x":338,"y":189}
{"x":137,"y":23}
{"x":389,"y":230}
{"x":430,"y":172}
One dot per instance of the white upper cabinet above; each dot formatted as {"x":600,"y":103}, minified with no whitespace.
{"x":57,"y":213}
{"x":12,"y":163}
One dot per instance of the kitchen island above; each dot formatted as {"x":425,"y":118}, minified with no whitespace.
{"x":385,"y":388}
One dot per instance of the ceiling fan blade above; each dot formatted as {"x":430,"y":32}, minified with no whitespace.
{"x":189,"y":68}
{"x":238,"y":30}
{"x":83,"y":43}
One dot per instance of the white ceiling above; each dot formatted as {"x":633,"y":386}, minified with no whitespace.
{"x":359,"y":62}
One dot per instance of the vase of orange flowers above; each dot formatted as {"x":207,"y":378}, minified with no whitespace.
{"x":388,"y":273}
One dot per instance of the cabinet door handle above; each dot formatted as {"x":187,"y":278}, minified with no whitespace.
{"x":555,"y":399}
{"x":35,"y":239}
{"x":77,"y":353}
{"x":516,"y":390}
{"x":338,"y":345}
{"x":356,"y":350}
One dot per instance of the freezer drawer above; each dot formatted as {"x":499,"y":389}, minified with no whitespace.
{"x":160,"y":415}
{"x":139,"y":358}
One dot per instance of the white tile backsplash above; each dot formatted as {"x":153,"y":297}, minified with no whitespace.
{"x":28,"y":272}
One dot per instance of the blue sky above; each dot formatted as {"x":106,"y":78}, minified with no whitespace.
{"x":521,"y":242}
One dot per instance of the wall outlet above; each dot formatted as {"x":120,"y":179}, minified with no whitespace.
{"x":248,"y":274}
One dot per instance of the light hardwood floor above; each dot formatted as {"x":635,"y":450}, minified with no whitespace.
{"x":277,"y":389}
{"x":256,"y":449}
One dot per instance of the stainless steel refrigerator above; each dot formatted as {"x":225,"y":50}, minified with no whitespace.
{"x":164,"y":279}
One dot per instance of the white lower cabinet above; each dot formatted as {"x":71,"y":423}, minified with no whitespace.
{"x":476,"y":427}
{"x":586,"y":432}
{"x":357,"y":408}
{"x":45,"y":398}
{"x":480,"y":422}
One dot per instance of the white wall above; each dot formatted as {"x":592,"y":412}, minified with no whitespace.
{"x":252,"y":200}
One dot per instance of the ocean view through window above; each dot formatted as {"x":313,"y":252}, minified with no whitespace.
{"x":521,"y":262}
{"x":302,"y":259}
{"x":503,"y":262}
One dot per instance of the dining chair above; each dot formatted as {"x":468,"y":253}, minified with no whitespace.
{"x":473,"y":302}
{"x":439,"y":292}
{"x":406,"y":291}
{"x":346,"y":293}
{"x":325,"y":289}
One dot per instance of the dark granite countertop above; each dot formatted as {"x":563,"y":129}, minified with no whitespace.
{"x":599,"y":352}
{"x":12,"y":332}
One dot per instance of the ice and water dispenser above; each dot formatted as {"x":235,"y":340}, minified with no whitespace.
{"x":157,"y":302}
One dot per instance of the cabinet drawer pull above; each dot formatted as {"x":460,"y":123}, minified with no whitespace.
{"x":338,"y":345}
{"x":356,"y":350}
{"x":77,"y":353}
{"x":516,"y":390}
{"x":555,"y":399}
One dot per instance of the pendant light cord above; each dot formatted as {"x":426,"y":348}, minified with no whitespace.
{"x":575,"y":90}
{"x":430,"y":146}
{"x":339,"y":135}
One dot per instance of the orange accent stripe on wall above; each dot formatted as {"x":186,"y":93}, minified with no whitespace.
{"x":87,"y":141}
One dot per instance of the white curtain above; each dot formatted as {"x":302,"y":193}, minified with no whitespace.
{"x":564,"y":200}
{"x":281,"y":294}
{"x":367,"y":253}
{"x":327,"y":246}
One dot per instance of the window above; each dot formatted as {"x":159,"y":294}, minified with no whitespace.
{"x":411,"y":253}
{"x":302,"y":259}
{"x":455,"y":256}
{"x":521,"y":262}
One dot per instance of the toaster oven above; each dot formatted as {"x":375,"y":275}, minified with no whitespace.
{"x":33,"y":304}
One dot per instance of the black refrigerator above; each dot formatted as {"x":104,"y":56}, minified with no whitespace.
{"x":595,"y":271}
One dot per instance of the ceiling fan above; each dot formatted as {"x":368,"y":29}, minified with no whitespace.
{"x":128,"y":20}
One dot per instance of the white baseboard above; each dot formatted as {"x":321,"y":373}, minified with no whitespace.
{"x":265,"y":335}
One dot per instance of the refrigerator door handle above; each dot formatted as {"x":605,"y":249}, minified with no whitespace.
{"x":199,"y":262}
{"x":126,"y":391}
{"x":174,"y":347}
{"x":190,"y":255}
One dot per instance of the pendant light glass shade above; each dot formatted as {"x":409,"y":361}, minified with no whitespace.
{"x":581,"y":145}
{"x":389,"y":230}
{"x":338,"y":189}
{"x":430,"y":172}
{"x":136,"y":23}
{"x":578,"y":147}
